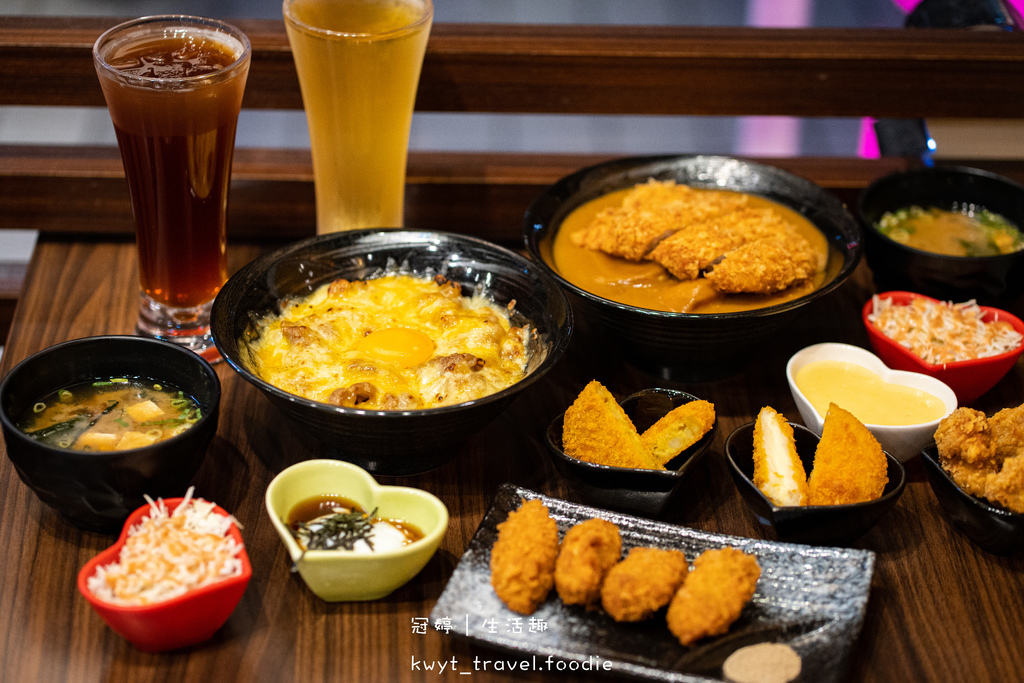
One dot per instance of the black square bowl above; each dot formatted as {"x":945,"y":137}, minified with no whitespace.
{"x":812,"y":524}
{"x":635,"y":490}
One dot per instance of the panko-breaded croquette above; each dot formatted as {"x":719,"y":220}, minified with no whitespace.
{"x":765,"y":266}
{"x":589,"y":550}
{"x":643,"y":583}
{"x":778,"y":471}
{"x":523,"y":557}
{"x":596,"y":429}
{"x":849,"y":464}
{"x":678,"y":430}
{"x":713,"y":595}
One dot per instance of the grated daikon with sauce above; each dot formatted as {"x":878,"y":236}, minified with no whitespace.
{"x":166,"y":555}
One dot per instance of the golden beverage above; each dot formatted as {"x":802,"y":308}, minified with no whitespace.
{"x":359,"y":65}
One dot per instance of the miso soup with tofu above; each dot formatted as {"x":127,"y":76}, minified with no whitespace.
{"x":112,"y":414}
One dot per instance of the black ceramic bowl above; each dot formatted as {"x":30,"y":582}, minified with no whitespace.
{"x":98,"y":490}
{"x":662,"y":341}
{"x":991,"y":528}
{"x":638,"y":491}
{"x":393,"y":442}
{"x":814,"y":524}
{"x":992,"y":280}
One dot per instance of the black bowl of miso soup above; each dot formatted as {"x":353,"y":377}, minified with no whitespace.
{"x":953,"y":233}
{"x":94,"y":425}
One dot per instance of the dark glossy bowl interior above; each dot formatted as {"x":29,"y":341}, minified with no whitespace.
{"x":992,"y":280}
{"x":991,"y":528}
{"x":392,"y":442}
{"x":98,"y":490}
{"x":674,"y":344}
{"x":814,"y":524}
{"x":638,"y":491}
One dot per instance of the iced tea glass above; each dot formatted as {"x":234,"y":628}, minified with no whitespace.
{"x":359,"y":66}
{"x":173,"y":86}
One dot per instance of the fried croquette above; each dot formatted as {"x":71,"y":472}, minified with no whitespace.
{"x":523,"y":557}
{"x":589,"y":550}
{"x":713,"y":595}
{"x":764,"y":266}
{"x":643,"y":583}
{"x":778,"y":471}
{"x":678,"y":430}
{"x":985,"y":456}
{"x":849,"y":464}
{"x":596,"y":429}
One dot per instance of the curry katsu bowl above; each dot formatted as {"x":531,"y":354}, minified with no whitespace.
{"x":690,"y":261}
{"x":392,"y":347}
{"x":953,"y":233}
{"x":94,"y":425}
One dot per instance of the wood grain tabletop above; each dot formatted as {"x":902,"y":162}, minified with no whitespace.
{"x":940,"y":609}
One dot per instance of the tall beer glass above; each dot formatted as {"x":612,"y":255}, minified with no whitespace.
{"x":173,"y":86}
{"x":359,"y":65}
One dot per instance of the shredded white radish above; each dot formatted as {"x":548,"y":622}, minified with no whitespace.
{"x":166,"y":555}
{"x":943,"y":332}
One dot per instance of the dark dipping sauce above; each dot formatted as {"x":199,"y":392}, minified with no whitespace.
{"x":323,"y":506}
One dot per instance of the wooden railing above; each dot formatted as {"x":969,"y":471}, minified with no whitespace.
{"x":514,"y":68}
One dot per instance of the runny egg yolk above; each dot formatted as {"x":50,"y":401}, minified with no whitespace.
{"x":398,"y":345}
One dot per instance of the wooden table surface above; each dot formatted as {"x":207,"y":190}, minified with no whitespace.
{"x":940,"y":609}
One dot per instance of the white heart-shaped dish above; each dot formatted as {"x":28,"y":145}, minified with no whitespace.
{"x":902,"y":441}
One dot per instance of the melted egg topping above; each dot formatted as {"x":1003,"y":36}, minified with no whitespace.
{"x":396,"y":342}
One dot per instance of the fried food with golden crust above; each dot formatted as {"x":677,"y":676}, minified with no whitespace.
{"x":523,"y":557}
{"x":596,"y":429}
{"x":778,"y":471}
{"x":589,"y":550}
{"x":643,"y":583}
{"x":694,"y":248}
{"x":964,"y":443}
{"x":849,"y":464}
{"x":679,"y":429}
{"x":765,"y":266}
{"x":713,"y":595}
{"x":1007,"y":486}
{"x":1008,"y":432}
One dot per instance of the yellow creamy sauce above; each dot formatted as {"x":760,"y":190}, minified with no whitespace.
{"x":865,"y":394}
{"x":648,"y":285}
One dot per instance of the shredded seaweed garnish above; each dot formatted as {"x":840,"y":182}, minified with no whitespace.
{"x":339,"y":531}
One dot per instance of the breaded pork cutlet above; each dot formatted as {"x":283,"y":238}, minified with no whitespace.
{"x":849,"y":464}
{"x":523,"y":558}
{"x":679,"y":429}
{"x":765,"y":266}
{"x":778,"y":471}
{"x":589,"y":550}
{"x":643,"y":583}
{"x":713,"y":596}
{"x":695,"y":248}
{"x":596,"y":429}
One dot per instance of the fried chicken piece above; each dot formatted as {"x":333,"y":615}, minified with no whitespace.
{"x":849,"y":464}
{"x":765,"y":266}
{"x":678,"y":430}
{"x":643,"y":583}
{"x":1007,"y":487}
{"x":694,"y":248}
{"x":589,"y":550}
{"x":964,"y":443}
{"x":596,"y":429}
{"x":778,"y":471}
{"x":523,"y":557}
{"x":1008,"y":432}
{"x":714,"y":594}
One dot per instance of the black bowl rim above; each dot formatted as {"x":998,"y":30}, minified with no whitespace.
{"x":894,"y":493}
{"x":851,"y":257}
{"x":556,"y":352}
{"x":896,"y":176}
{"x":978,"y":503}
{"x":702,"y":444}
{"x":110,"y":456}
